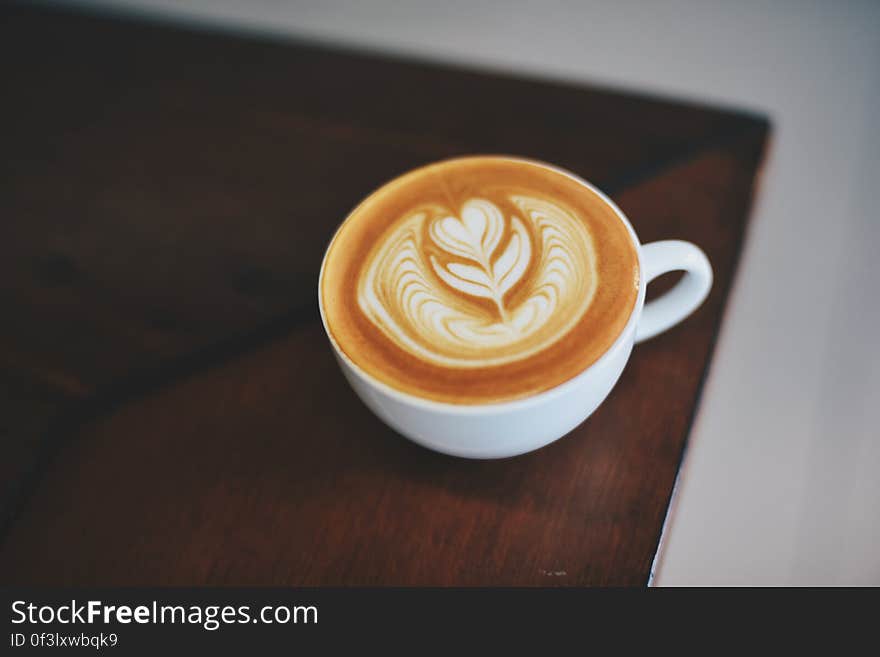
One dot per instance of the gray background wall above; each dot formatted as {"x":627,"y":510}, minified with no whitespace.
{"x":780,"y":484}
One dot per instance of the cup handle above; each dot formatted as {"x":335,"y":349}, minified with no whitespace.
{"x":669,"y":309}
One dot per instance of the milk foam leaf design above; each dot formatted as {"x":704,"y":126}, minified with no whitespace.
{"x":476,"y":237}
{"x":512,"y":264}
{"x":418,"y":286}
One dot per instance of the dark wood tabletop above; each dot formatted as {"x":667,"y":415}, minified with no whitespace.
{"x":170,"y":410}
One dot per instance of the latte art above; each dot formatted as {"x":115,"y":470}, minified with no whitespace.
{"x":478,"y":288}
{"x":479,"y":280}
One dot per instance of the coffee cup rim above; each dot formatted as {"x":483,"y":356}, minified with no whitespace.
{"x":495,"y":406}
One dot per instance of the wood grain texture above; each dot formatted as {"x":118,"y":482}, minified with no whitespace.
{"x":166,"y":196}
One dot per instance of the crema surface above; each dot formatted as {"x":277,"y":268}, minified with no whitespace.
{"x":479,"y":280}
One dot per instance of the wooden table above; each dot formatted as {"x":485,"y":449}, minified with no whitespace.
{"x":170,"y":410}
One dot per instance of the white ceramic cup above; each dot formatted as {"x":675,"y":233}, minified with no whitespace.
{"x":498,"y":430}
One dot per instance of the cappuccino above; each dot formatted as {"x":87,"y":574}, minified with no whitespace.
{"x":479,"y":280}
